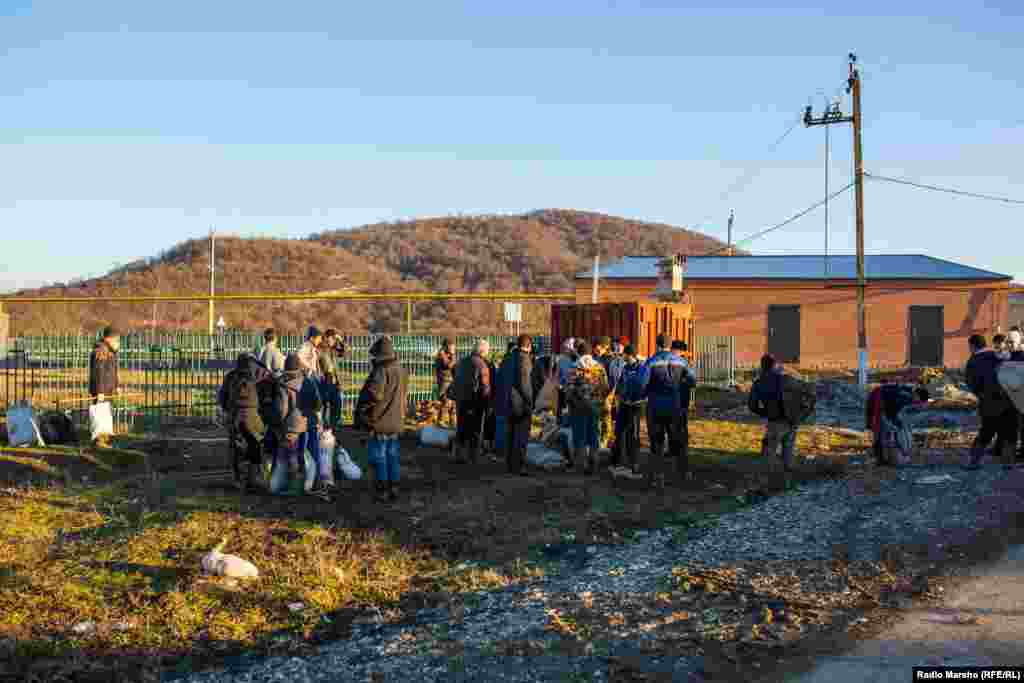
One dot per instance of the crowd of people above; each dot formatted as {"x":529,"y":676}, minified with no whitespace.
{"x":598,"y":392}
{"x":282,"y":404}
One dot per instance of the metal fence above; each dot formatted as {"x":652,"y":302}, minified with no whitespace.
{"x":715,"y":360}
{"x":167,"y":378}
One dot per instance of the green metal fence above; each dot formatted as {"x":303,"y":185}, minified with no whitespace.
{"x":169,"y":377}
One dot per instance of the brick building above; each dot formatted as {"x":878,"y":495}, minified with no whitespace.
{"x":919,"y":310}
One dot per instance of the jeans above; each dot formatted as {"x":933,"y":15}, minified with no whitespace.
{"x":383,"y":455}
{"x":499,"y":433}
{"x":311,"y":442}
{"x":331,"y":398}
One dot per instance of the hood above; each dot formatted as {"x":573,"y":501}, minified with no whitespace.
{"x":383,"y":349}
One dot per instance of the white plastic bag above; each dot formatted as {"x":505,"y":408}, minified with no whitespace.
{"x":327,"y":441}
{"x":22,"y":429}
{"x":310,"y":471}
{"x":217,"y":563}
{"x":436,"y":437}
{"x":344,"y":466}
{"x":101,"y":420}
{"x":543,"y":457}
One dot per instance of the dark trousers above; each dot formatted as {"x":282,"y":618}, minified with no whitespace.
{"x":331,"y":398}
{"x":1003,"y":427}
{"x":675,"y":430}
{"x":627,"y":434}
{"x":517,"y":435}
{"x":560,"y":405}
{"x":490,"y":426}
{"x":469,"y":424}
{"x":246,"y":448}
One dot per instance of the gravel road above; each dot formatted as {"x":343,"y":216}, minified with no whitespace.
{"x":800,"y":530}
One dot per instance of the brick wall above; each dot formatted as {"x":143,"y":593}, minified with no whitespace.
{"x":828,"y":315}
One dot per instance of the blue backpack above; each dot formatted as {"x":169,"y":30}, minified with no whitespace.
{"x":630,"y":387}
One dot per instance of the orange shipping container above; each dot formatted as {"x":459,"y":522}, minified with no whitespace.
{"x":640,"y":322}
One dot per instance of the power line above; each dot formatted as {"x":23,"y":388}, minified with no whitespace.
{"x":948,"y":190}
{"x":791,"y":219}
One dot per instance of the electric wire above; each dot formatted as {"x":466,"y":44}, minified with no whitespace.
{"x":947,"y":190}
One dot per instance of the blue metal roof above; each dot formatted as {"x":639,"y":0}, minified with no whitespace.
{"x":783,"y":267}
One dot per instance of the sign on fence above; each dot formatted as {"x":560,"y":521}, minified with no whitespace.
{"x":513,"y":313}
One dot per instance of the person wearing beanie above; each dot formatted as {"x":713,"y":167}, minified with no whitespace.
{"x":239,"y":399}
{"x":444,"y":376}
{"x":309,"y":352}
{"x":380,"y":410}
{"x":587,"y":396}
{"x":103,"y":379}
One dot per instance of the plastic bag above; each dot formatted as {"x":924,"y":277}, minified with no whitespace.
{"x":310,"y":472}
{"x":101,"y":420}
{"x":344,"y":466}
{"x":543,"y":457}
{"x":436,"y":437}
{"x":22,"y":429}
{"x":327,"y":441}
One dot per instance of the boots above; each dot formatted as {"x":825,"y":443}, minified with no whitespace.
{"x":588,"y":461}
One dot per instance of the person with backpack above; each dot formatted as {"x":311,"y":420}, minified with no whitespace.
{"x":517,"y":403}
{"x":239,"y":399}
{"x":999,"y":417}
{"x":629,"y":393}
{"x":767,"y":400}
{"x":472,"y":391}
{"x":380,"y":410}
{"x":444,"y":377}
{"x":668,"y":382}
{"x":885,"y":415}
{"x":295,"y":401}
{"x":587,"y":396}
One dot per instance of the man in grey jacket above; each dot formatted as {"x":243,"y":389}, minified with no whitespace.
{"x":271,"y":356}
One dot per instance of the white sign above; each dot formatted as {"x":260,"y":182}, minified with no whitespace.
{"x":513,"y":313}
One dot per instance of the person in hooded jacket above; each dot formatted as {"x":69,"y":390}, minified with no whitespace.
{"x":668,"y":382}
{"x":629,"y":395}
{"x":998,"y":415}
{"x":380,"y":410}
{"x":767,"y":401}
{"x":517,"y":403}
{"x":103,"y":380}
{"x":472,"y":391}
{"x":239,"y":397}
{"x":295,"y":401}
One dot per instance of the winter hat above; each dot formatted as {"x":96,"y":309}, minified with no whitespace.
{"x":291,"y":363}
{"x":604,"y":341}
{"x":110,"y":332}
{"x":630,"y":351}
{"x":313,"y":332}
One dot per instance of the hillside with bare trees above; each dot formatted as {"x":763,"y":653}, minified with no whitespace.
{"x":535,"y":252}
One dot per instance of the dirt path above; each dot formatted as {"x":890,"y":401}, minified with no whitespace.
{"x":981,"y":623}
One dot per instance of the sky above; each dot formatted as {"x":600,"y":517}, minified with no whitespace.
{"x":128,"y":127}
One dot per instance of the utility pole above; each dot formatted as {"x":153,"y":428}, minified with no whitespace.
{"x":597,"y":266}
{"x":213,"y":253}
{"x":831,"y":116}
{"x":732,"y":216}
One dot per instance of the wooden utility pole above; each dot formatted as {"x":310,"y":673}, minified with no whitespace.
{"x":831,"y":116}
{"x":597,"y":267}
{"x":213,"y":252}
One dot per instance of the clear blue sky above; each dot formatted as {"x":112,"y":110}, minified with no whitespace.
{"x":130,"y":126}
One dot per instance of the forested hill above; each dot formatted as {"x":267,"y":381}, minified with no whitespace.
{"x":539,"y":251}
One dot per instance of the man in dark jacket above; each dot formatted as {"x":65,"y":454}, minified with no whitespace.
{"x":380,"y":410}
{"x":668,"y":381}
{"x":998,"y":415}
{"x":296,"y":400}
{"x":517,"y":403}
{"x":239,"y":397}
{"x":766,"y":400}
{"x":629,"y":406}
{"x":444,"y":376}
{"x":472,"y":391}
{"x":103,"y":382}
